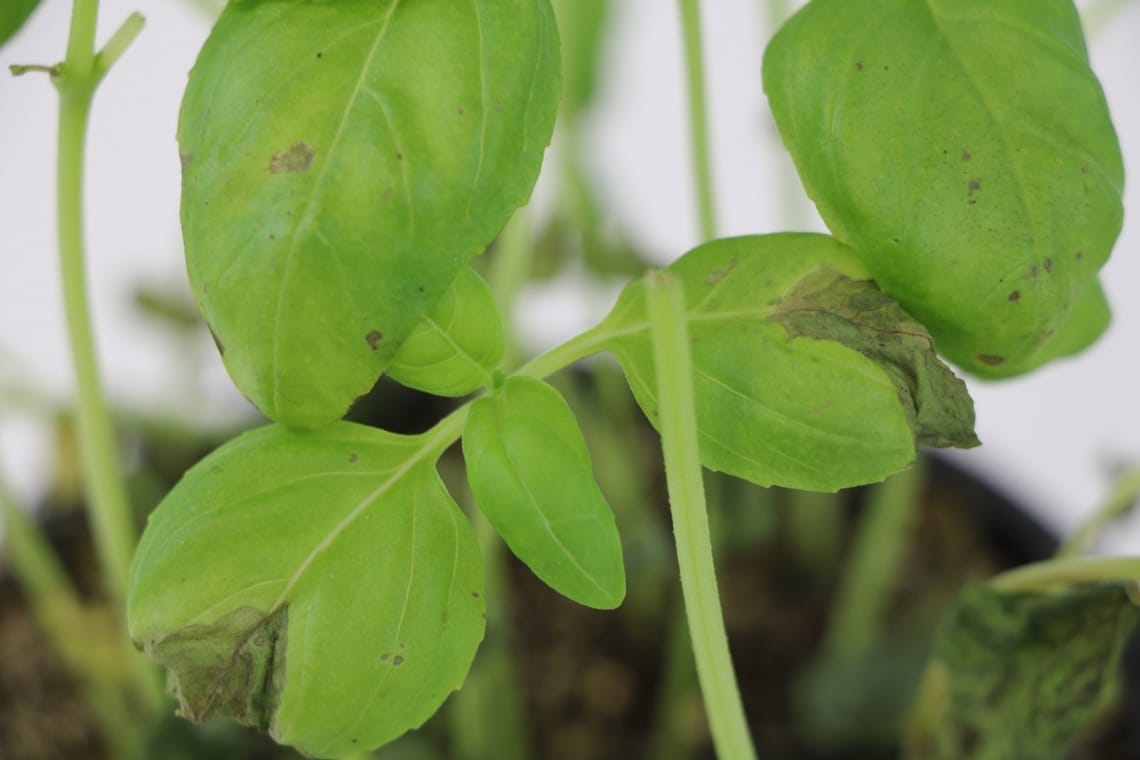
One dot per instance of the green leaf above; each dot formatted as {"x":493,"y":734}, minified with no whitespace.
{"x":965,"y":151}
{"x":530,"y":471}
{"x":806,"y":376}
{"x":321,"y":585}
{"x":456,"y":346}
{"x":13,"y":14}
{"x":1021,"y":674}
{"x":341,"y":163}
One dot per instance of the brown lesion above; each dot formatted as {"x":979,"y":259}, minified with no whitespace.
{"x":374,"y":338}
{"x":234,"y":667}
{"x":298,"y":157}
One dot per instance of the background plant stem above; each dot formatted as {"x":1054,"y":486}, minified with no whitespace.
{"x":1119,"y":502}
{"x":884,"y":532}
{"x":683,"y":474}
{"x":698,"y":116}
{"x":108,"y":508}
{"x":1058,"y":573}
{"x":85,"y":648}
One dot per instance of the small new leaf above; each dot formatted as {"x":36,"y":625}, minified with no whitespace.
{"x":320,"y":585}
{"x":530,"y":471}
{"x":457,"y":345}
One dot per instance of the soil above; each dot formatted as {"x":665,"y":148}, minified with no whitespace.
{"x":600,"y":685}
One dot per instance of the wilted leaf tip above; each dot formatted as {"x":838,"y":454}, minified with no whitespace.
{"x":827,"y":305}
{"x":298,"y":157}
{"x":234,"y":667}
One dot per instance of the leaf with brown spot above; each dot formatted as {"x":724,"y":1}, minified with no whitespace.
{"x":990,"y":100}
{"x":269,"y":578}
{"x":341,"y":190}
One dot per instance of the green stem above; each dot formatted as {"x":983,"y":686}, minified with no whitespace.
{"x":578,"y":347}
{"x":815,"y":529}
{"x":698,"y":115}
{"x":872,"y":572}
{"x":683,"y":474}
{"x":508,"y":273}
{"x":67,"y":627}
{"x":1059,"y":573}
{"x":1122,"y":498}
{"x":108,"y":508}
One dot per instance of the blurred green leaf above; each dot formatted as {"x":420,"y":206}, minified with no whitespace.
{"x":1019,"y":675}
{"x":13,"y":15}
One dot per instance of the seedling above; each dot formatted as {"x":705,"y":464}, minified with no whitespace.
{"x":342,"y":164}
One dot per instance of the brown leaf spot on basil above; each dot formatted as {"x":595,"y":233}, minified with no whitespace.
{"x":373,"y":339}
{"x":298,"y":157}
{"x":234,"y":667}
{"x":827,"y":305}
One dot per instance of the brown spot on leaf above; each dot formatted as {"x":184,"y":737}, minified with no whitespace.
{"x":373,"y":339}
{"x":320,"y":54}
{"x":719,"y":274}
{"x":991,"y":360}
{"x":966,"y":155}
{"x":896,"y":241}
{"x":397,"y":661}
{"x":185,"y":159}
{"x":353,"y":458}
{"x":461,"y":111}
{"x":399,"y":156}
{"x":384,"y":657}
{"x":298,"y":157}
{"x":858,"y":65}
{"x":1048,"y":265}
{"x":1080,"y":255}
{"x":975,"y":185}
{"x":1014,"y":296}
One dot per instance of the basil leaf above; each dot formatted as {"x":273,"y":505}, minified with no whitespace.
{"x":806,"y":375}
{"x":341,"y":163}
{"x":319,"y":585}
{"x":13,"y":15}
{"x":965,"y":151}
{"x":456,"y":346}
{"x":530,"y":471}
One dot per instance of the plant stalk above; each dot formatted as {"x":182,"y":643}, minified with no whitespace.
{"x":698,"y":116}
{"x":1122,"y":498}
{"x":1059,"y":573}
{"x":873,"y":570}
{"x":678,"y":425}
{"x":108,"y":508}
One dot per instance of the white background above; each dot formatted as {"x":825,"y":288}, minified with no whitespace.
{"x":1052,"y":438}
